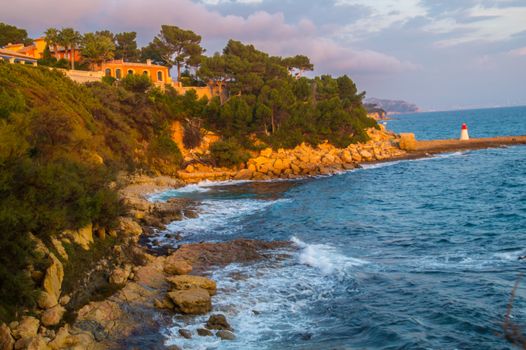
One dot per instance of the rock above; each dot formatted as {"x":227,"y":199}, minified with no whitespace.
{"x":101,"y":233}
{"x":129,"y":227}
{"x":61,"y":339}
{"x":34,"y":343}
{"x":46,"y":300}
{"x":176,"y":266}
{"x":53,"y":280}
{"x":120,"y":275}
{"x":225,"y":335}
{"x":244,"y":174}
{"x":64,"y":300}
{"x":218,"y":321}
{"x":267,"y":152}
{"x":407,"y":141}
{"x":183,"y":282}
{"x":203,"y":332}
{"x":185,"y":333}
{"x":366,"y":155}
{"x":193,"y":301}
{"x":59,"y":247}
{"x":113,"y":233}
{"x":7,"y":342}
{"x":165,"y":303}
{"x":173,"y":347}
{"x":27,"y":328}
{"x":82,"y":236}
{"x":52,"y":317}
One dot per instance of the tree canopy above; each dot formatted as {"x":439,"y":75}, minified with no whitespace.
{"x":12,"y":35}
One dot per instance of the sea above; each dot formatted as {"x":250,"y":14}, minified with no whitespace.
{"x":413,"y":254}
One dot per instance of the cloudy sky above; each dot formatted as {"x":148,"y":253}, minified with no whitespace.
{"x":439,"y":54}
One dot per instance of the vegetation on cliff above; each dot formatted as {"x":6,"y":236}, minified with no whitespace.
{"x":63,"y":143}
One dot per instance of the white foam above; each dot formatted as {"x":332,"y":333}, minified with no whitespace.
{"x":273,"y":300}
{"x":325,"y":257}
{"x":218,"y":217}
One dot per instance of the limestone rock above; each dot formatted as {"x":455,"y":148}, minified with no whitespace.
{"x":218,"y":321}
{"x":59,"y":247}
{"x":61,"y":339}
{"x":129,"y":227}
{"x":53,"y":280}
{"x":225,"y":335}
{"x":267,"y":152}
{"x":165,"y":303}
{"x":203,"y":332}
{"x":176,"y":266}
{"x":82,"y":236}
{"x":46,"y":300}
{"x":52,"y":317}
{"x":120,"y":275}
{"x":33,"y":343}
{"x":193,"y":301}
{"x":185,"y":333}
{"x":27,"y":328}
{"x":7,"y":342}
{"x":64,"y":300}
{"x":183,"y":282}
{"x":244,"y":174}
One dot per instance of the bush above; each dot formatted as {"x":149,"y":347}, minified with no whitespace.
{"x":136,"y":83}
{"x":228,"y":153}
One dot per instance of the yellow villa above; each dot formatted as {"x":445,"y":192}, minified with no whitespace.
{"x":118,"y":69}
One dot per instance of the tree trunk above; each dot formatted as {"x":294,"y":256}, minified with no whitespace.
{"x":72,"y":57}
{"x":178,"y":72}
{"x":272,"y":120}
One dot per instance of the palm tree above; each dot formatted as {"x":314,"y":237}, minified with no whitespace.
{"x":70,"y":38}
{"x":52,"y":39}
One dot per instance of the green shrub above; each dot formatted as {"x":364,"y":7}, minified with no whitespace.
{"x":108,"y":80}
{"x":139,"y":83}
{"x":228,"y":153}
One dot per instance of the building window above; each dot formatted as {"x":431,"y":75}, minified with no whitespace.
{"x":160,"y":76}
{"x":130,"y":72}
{"x":117,"y":73}
{"x":107,"y":72}
{"x":145,"y":72}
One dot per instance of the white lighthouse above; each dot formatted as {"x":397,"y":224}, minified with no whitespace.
{"x":464,"y":132}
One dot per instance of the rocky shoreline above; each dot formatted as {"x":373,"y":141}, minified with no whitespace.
{"x":131,"y":291}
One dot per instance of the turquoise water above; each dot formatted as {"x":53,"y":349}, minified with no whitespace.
{"x":416,"y":254}
{"x":446,"y":125}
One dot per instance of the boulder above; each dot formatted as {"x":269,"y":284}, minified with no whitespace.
{"x":193,"y":301}
{"x":165,"y":303}
{"x":185,"y":333}
{"x":33,"y":343}
{"x":52,"y":282}
{"x":82,"y":236}
{"x":46,"y":300}
{"x":225,"y":335}
{"x":27,"y":328}
{"x":52,"y":317}
{"x":101,"y":233}
{"x":64,"y":300}
{"x":244,"y":174}
{"x":7,"y":342}
{"x":61,"y":340}
{"x":129,"y":226}
{"x":120,"y":275}
{"x":267,"y":152}
{"x":218,"y":321}
{"x":203,"y":332}
{"x":175,"y":266}
{"x":184,"y":282}
{"x":59,"y":247}
{"x":366,"y":155}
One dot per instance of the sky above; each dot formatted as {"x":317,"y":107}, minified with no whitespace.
{"x":438,"y":54}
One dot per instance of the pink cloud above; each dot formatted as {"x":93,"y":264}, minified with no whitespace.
{"x":267,"y":31}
